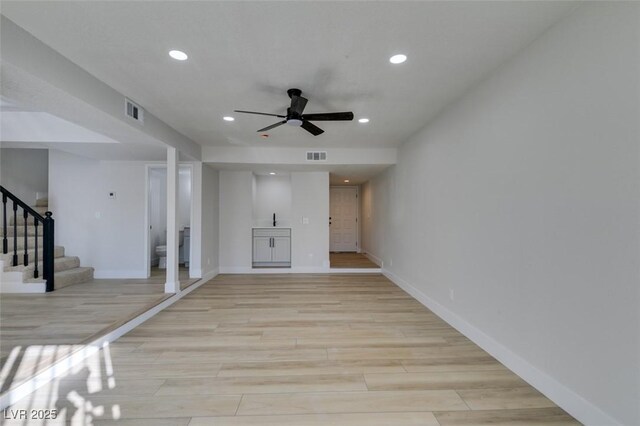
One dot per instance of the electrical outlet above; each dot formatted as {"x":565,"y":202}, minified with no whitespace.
{"x":390,"y":262}
{"x":208,"y":261}
{"x":305,"y":220}
{"x":98,"y":215}
{"x":452,"y":295}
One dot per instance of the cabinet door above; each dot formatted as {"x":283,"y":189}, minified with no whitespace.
{"x":261,"y":249}
{"x":282,"y":249}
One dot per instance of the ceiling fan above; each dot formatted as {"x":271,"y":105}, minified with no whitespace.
{"x":295,"y":117}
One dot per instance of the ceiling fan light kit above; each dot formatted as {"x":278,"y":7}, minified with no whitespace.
{"x":296,"y":118}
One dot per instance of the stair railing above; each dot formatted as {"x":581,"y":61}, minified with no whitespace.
{"x":47,"y":236}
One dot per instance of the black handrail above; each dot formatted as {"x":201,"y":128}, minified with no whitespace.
{"x":47,"y":237}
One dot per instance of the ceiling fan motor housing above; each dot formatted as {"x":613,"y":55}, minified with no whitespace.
{"x":294,"y":92}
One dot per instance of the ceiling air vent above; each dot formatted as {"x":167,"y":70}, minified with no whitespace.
{"x":316,"y":155}
{"x":134,"y":110}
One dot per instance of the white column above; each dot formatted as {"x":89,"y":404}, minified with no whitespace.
{"x":172,"y":284}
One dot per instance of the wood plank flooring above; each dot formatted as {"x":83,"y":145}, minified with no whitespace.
{"x":40,"y":328}
{"x":350,"y":260}
{"x":294,"y":350}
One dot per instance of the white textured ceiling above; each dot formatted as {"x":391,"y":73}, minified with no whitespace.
{"x":244,"y":55}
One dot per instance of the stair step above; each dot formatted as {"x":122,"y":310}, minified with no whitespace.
{"x":42,"y":202}
{"x":69,"y":277}
{"x":41,"y":209}
{"x":59,"y":264}
{"x":31,"y":230}
{"x":20,"y":216}
{"x":31,"y":241}
{"x":58,"y":251}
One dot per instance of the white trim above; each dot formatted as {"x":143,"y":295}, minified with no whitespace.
{"x":357,"y":188}
{"x":584,"y":411}
{"x":65,"y":364}
{"x":119,"y":274}
{"x":293,"y":270}
{"x":297,"y":270}
{"x":211,"y":274}
{"x":355,"y":271}
{"x":147,"y":211}
{"x":18,"y":287}
{"x":375,"y":259}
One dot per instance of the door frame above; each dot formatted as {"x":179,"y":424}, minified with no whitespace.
{"x":357,"y":188}
{"x":147,"y":212}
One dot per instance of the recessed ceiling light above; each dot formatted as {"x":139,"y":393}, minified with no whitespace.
{"x":346,"y":181}
{"x":228,"y":118}
{"x":398,"y":59}
{"x":363,"y":120}
{"x":178,"y":55}
{"x":272,"y":173}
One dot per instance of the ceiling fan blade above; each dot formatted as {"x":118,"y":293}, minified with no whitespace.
{"x":329,"y":116}
{"x":259,"y":113}
{"x":280,"y":123}
{"x":311,"y":128}
{"x":298,"y":103}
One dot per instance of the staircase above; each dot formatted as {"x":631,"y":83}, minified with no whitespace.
{"x":20,"y":278}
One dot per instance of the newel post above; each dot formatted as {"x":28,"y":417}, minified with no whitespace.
{"x":48,"y":251}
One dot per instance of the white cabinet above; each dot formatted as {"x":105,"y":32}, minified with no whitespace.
{"x":261,"y":249}
{"x":271,"y":247}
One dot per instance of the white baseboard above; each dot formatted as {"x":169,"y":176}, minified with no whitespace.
{"x":18,"y":287}
{"x":293,"y":270}
{"x":195,"y":273}
{"x":355,"y":271}
{"x":119,"y":274}
{"x":210,"y":275}
{"x":584,"y":411}
{"x":375,"y":259}
{"x":64,"y":364}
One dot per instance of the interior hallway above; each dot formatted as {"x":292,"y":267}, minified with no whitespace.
{"x":350,"y":260}
{"x":297,"y":350}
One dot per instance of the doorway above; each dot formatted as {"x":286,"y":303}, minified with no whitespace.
{"x":157,"y":218}
{"x":343,"y":219}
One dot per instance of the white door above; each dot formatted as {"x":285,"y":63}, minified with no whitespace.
{"x":343,"y":219}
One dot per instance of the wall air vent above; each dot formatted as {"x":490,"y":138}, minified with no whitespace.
{"x":134,"y":110}
{"x":316,"y":155}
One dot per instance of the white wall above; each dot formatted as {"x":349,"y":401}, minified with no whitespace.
{"x":522,"y":199}
{"x":236,"y":216}
{"x":110,"y":234}
{"x":107,"y":234}
{"x":184,"y":197}
{"x":25,"y":172}
{"x":210,"y":220}
{"x":310,"y":242}
{"x":272,"y":194}
{"x":309,"y":198}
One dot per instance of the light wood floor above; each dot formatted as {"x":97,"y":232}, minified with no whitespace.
{"x":39,"y":328}
{"x":350,"y":260}
{"x":295,"y":350}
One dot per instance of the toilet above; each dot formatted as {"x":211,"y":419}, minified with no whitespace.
{"x":161,"y":251}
